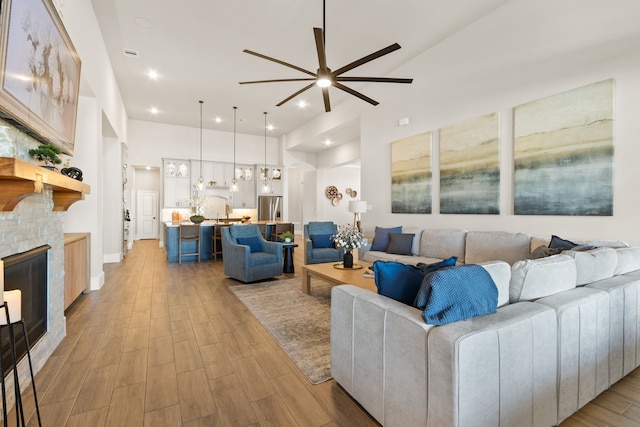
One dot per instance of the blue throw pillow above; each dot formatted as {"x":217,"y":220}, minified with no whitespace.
{"x":254,"y":243}
{"x":560,"y":243}
{"x":321,"y":241}
{"x":458,"y":293}
{"x":381,"y":238}
{"x":428,"y":268}
{"x":396,"y":280}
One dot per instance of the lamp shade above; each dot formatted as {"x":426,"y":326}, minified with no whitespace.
{"x":358,"y":206}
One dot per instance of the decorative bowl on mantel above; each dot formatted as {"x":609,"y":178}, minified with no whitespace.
{"x":196,"y":219}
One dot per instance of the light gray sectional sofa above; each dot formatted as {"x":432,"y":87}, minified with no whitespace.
{"x":566,"y":329}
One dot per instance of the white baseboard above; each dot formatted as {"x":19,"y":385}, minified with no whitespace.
{"x":112,"y":258}
{"x":97,"y":282}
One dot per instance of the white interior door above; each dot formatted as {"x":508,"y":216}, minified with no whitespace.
{"x":147,"y":215}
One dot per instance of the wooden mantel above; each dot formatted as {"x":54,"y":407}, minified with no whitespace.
{"x":20,"y":179}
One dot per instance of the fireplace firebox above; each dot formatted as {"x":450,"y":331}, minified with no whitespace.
{"x":28,"y":271}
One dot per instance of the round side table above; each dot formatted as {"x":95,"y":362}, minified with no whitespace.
{"x":287,"y":262}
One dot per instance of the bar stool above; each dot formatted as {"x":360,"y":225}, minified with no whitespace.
{"x":12,"y":304}
{"x":217,"y":240}
{"x":189,"y":233}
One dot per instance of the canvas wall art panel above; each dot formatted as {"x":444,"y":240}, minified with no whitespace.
{"x":470,"y":166}
{"x":411,"y":174}
{"x":563,"y":153}
{"x":39,"y":72}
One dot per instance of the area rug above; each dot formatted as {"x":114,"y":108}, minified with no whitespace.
{"x":299,"y":323}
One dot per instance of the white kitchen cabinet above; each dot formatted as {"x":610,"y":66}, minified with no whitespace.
{"x":176,"y":182}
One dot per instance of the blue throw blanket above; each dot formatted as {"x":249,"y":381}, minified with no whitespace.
{"x":456,"y":293}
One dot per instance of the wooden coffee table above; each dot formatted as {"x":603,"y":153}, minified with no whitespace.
{"x":329,"y":273}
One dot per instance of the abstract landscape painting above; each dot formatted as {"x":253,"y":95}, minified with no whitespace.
{"x":470,"y":167}
{"x":564,"y":153}
{"x":411,"y":174}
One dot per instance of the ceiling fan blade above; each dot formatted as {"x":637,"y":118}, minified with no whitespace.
{"x":355,"y":93}
{"x":368,"y":58}
{"x":322,"y":57}
{"x":373,"y":79}
{"x":295,"y":94}
{"x":276,"y":81}
{"x":286,"y":64}
{"x":325,"y":96}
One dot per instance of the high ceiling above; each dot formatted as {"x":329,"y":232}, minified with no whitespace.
{"x":196,"y":48}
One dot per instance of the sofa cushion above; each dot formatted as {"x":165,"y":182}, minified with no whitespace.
{"x":254,"y":243}
{"x":456,"y":293}
{"x":594,"y":265}
{"x":397,"y":281}
{"x":628,"y":260}
{"x":536,"y":278}
{"x":442,"y":244}
{"x":381,"y":238}
{"x":400,"y":243}
{"x":484,"y":246}
{"x":321,"y":241}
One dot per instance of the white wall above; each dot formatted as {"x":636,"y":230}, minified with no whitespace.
{"x":522,"y":52}
{"x":149,"y":142}
{"x":342,"y":177}
{"x":113,"y":201}
{"x":86,"y":216}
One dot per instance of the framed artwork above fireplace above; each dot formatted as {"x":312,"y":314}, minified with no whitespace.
{"x":39,"y":72}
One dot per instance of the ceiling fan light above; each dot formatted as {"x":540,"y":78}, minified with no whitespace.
{"x":323,"y":82}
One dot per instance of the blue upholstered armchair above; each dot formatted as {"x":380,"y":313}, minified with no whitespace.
{"x":318,"y":245}
{"x":248,"y":257}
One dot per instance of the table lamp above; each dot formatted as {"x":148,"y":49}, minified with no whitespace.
{"x":357,"y":207}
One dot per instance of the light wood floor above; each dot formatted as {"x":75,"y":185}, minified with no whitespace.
{"x":169,"y":345}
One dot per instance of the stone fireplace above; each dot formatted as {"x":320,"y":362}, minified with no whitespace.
{"x":33,"y":224}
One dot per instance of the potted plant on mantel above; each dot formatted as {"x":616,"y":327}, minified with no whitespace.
{"x":47,"y":154}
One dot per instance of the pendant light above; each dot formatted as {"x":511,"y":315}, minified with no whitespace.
{"x":265,"y":175}
{"x":200,"y":185}
{"x":234,"y":182}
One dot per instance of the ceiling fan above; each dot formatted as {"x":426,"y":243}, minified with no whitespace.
{"x":325,"y":77}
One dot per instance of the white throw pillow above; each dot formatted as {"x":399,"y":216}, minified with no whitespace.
{"x":417,"y":235}
{"x":536,"y":278}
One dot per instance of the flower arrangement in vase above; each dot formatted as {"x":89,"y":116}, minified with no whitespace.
{"x":349,"y":238}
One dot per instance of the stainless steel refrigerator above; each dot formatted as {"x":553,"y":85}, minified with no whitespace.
{"x":269,"y":208}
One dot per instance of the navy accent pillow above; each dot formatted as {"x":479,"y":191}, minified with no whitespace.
{"x":458,"y":293}
{"x":397,"y":281}
{"x":559,"y":243}
{"x":254,"y":243}
{"x":400,"y":244}
{"x":381,"y":238}
{"x":321,"y":241}
{"x":428,"y":268}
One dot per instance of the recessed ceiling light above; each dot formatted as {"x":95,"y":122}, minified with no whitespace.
{"x":269,"y":127}
{"x":153,"y":74}
{"x":154,"y":110}
{"x":218,"y":120}
{"x":302,"y":104}
{"x":327,"y":142}
{"x":148,"y":168}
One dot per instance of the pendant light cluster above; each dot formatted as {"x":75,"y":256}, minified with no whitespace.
{"x":234,"y":182}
